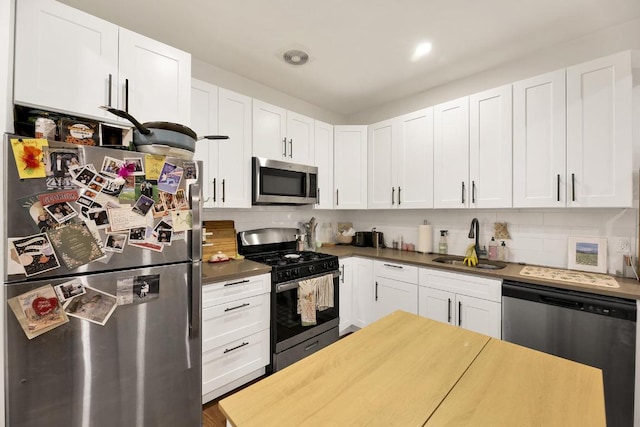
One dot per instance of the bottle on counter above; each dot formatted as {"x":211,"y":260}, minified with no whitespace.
{"x":503,"y":252}
{"x":442,"y":245}
{"x":493,"y":249}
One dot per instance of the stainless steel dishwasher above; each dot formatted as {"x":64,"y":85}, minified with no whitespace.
{"x":595,"y":330}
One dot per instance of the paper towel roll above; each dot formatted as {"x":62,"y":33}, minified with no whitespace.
{"x":425,"y":238}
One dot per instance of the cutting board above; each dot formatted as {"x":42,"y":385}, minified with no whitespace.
{"x":219,"y":236}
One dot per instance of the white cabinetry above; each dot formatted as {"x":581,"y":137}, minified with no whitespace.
{"x":451,"y":154}
{"x":279,"y":134}
{"x":73,"y":62}
{"x":226,"y":163}
{"x":350,"y":167}
{"x":400,"y":162}
{"x":346,"y":294}
{"x":362,"y":304}
{"x":599,"y":107}
{"x":490,"y":148}
{"x":539,"y":141}
{"x":470,"y":302}
{"x":235,"y":333}
{"x":396,"y":288}
{"x":323,"y":147}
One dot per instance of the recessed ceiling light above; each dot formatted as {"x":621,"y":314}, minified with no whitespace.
{"x":421,"y":50}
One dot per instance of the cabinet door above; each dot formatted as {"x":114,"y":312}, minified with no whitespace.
{"x":234,"y":154}
{"x":323,"y":159}
{"x":350,"y":167}
{"x":414,"y":153}
{"x":539,"y":141}
{"x":363,"y":288}
{"x":154,"y":79}
{"x":451,"y":154}
{"x":300,"y":138}
{"x":437,"y":305}
{"x":490,"y":148}
{"x":65,"y":59}
{"x":346,"y":294}
{"x":391,"y":295}
{"x":204,"y":121}
{"x":269,"y":131}
{"x":599,"y":160}
{"x":479,"y":315}
{"x":381,"y":185}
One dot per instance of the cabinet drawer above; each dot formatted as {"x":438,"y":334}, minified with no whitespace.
{"x":465,"y":284}
{"x":231,"y":290}
{"x":233,"y":320}
{"x":392,"y":270}
{"x":229,"y":362}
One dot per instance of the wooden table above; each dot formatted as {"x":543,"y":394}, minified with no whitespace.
{"x":406,"y":370}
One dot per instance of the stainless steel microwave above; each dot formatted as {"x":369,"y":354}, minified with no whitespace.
{"x":283,"y":183}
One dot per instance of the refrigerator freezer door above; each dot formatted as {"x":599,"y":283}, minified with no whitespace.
{"x":19,"y":222}
{"x":142,"y":368}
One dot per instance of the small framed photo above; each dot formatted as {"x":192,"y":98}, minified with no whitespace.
{"x":588,"y":254}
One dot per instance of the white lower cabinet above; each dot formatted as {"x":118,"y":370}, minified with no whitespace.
{"x":467,"y":301}
{"x":235,"y":333}
{"x":363,"y":287}
{"x":396,"y":288}
{"x":346,"y":295}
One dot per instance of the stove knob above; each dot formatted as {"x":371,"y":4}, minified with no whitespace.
{"x":295,"y":272}
{"x":312,"y":268}
{"x":287,"y":274}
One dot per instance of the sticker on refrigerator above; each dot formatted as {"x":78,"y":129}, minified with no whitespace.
{"x":35,"y":253}
{"x":42,"y":219}
{"x":95,"y":306}
{"x":61,"y":212}
{"x":143,"y":205}
{"x":111,"y":166}
{"x":138,"y":289}
{"x":170,"y":177}
{"x":38,"y":311}
{"x":58,"y":164}
{"x":182,"y":220}
{"x":29,"y":157}
{"x":70,"y":289}
{"x":76,"y":245}
{"x":152,"y":166}
{"x":115,"y":243}
{"x":190,"y":169}
{"x":138,"y":166}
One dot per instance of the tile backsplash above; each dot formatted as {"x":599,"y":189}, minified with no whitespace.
{"x":538,"y":236}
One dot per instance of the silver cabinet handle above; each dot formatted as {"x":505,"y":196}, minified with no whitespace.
{"x":473,"y":191}
{"x":342,"y":273}
{"x":376,"y":291}
{"x":399,"y":198}
{"x":573,"y":187}
{"x":449,"y":310}
{"x":126,"y":95}
{"x":394,"y":266}
{"x":558,"y":199}
{"x":459,"y":313}
{"x":393,"y":195}
{"x":318,"y":195}
{"x":214,"y":190}
{"x":236,"y":307}
{"x":463,"y":192}
{"x":284,"y":147}
{"x":337,"y":197}
{"x":290,"y":148}
{"x":223,"y":192}
{"x":110,"y":82}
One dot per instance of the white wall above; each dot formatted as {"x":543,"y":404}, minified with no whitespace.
{"x":219,"y":77}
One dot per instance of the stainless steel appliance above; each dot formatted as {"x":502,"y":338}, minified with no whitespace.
{"x":596,"y":330}
{"x":142,"y":367}
{"x":283,"y":183}
{"x":290,"y":340}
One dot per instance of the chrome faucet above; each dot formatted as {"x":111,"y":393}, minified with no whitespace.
{"x":474,"y":231}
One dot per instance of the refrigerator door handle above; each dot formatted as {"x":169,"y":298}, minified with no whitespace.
{"x":196,"y":266}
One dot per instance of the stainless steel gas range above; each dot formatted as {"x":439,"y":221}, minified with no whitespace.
{"x":290,"y":339}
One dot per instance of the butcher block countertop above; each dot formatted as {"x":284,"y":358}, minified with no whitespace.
{"x":407,"y":370}
{"x":232,"y":269}
{"x":629,"y":288}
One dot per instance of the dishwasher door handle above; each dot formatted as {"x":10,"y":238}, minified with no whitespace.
{"x":561,"y":302}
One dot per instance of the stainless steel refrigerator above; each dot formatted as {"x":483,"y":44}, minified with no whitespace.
{"x":141,"y":365}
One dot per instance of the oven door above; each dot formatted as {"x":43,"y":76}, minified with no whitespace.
{"x":276,"y":182}
{"x":287,"y":322}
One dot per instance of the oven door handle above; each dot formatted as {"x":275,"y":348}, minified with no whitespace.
{"x":287,"y":286}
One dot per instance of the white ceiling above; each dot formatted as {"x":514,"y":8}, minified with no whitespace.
{"x":360,"y":50}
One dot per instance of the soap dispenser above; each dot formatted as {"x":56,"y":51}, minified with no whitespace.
{"x":503,"y":252}
{"x":442,"y":245}
{"x":493,"y":249}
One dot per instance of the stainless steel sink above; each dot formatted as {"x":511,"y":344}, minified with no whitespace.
{"x":482,"y":263}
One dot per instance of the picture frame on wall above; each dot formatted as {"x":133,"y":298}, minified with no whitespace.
{"x":588,"y":254}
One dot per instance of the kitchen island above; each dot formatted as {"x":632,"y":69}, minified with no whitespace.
{"x":407,"y":370}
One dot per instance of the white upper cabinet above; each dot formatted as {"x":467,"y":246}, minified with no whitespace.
{"x":400,"y":162}
{"x":539,"y":141}
{"x":490,"y":148}
{"x":350,"y":166}
{"x":154,"y":79}
{"x":323,"y":146}
{"x":451,"y":154}
{"x":279,"y":134}
{"x":226,"y":174}
{"x":599,"y":147}
{"x":65,"y":59}
{"x":70,"y":61}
